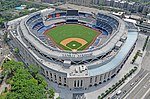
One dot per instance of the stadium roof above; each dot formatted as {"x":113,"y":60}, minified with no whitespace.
{"x":130,"y":20}
{"x":131,"y":39}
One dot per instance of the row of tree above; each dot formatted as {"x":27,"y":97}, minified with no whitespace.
{"x":25,"y":83}
{"x":145,"y":43}
{"x":117,"y":84}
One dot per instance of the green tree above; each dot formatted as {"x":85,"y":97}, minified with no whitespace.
{"x":11,"y":66}
{"x":23,"y":84}
{"x":58,"y":98}
{"x":51,"y":93}
{"x":33,"y":70}
{"x":2,"y":22}
{"x":41,"y":80}
{"x":16,"y":50}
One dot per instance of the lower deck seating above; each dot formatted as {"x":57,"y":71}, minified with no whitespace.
{"x":43,"y":29}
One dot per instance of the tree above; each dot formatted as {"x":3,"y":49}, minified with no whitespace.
{"x":123,"y":79}
{"x":58,"y":98}
{"x":16,"y":50}
{"x":113,"y":86}
{"x":11,"y":66}
{"x":120,"y":81}
{"x":2,"y":20}
{"x":33,"y":70}
{"x":51,"y":93}
{"x":110,"y":89}
{"x":23,"y":84}
{"x":117,"y":84}
{"x":102,"y":94}
{"x":41,"y":80}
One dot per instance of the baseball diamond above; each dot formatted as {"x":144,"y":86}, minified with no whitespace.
{"x":73,"y":43}
{"x":80,"y":36}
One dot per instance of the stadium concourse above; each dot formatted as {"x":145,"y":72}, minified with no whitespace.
{"x":79,"y":69}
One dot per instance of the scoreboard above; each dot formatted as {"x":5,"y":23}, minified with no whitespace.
{"x":72,"y":12}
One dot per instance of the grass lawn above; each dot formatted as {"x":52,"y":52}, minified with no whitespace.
{"x":60,"y":33}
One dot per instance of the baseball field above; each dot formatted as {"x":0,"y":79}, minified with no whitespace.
{"x":72,"y":37}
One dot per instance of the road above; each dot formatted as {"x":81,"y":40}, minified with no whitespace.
{"x":131,"y":84}
{"x":140,"y":89}
{"x":147,"y":95}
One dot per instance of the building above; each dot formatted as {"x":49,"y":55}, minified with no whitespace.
{"x":52,"y":1}
{"x":144,"y":26}
{"x":146,"y":9}
{"x":74,"y":70}
{"x":130,"y":6}
{"x":148,"y":16}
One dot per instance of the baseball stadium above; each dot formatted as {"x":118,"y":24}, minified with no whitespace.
{"x":76,"y":50}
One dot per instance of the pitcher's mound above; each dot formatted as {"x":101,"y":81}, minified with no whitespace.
{"x":74,"y":45}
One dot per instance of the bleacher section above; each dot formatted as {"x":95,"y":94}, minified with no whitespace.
{"x":82,"y":14}
{"x":32,"y":18}
{"x":37,"y":27}
{"x":108,"y":20}
{"x":105,"y":24}
{"x":99,"y":38}
{"x":43,"y":29}
{"x":56,"y":15}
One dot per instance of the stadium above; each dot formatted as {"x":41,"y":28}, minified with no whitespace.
{"x":74,"y":49}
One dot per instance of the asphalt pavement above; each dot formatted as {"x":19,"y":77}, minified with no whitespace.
{"x":146,"y":95}
{"x":130,"y":85}
{"x":140,"y":89}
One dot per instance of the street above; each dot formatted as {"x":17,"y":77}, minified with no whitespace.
{"x":131,"y":84}
{"x":140,"y":89}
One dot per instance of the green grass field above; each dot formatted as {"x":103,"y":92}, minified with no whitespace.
{"x":60,"y":33}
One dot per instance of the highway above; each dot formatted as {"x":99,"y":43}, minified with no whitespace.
{"x":141,"y":88}
{"x":131,"y":84}
{"x":146,"y":95}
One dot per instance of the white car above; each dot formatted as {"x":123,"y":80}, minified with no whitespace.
{"x":119,"y":92}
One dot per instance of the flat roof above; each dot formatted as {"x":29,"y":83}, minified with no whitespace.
{"x":130,"y":20}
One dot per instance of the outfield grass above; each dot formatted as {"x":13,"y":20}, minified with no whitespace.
{"x":60,"y":33}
